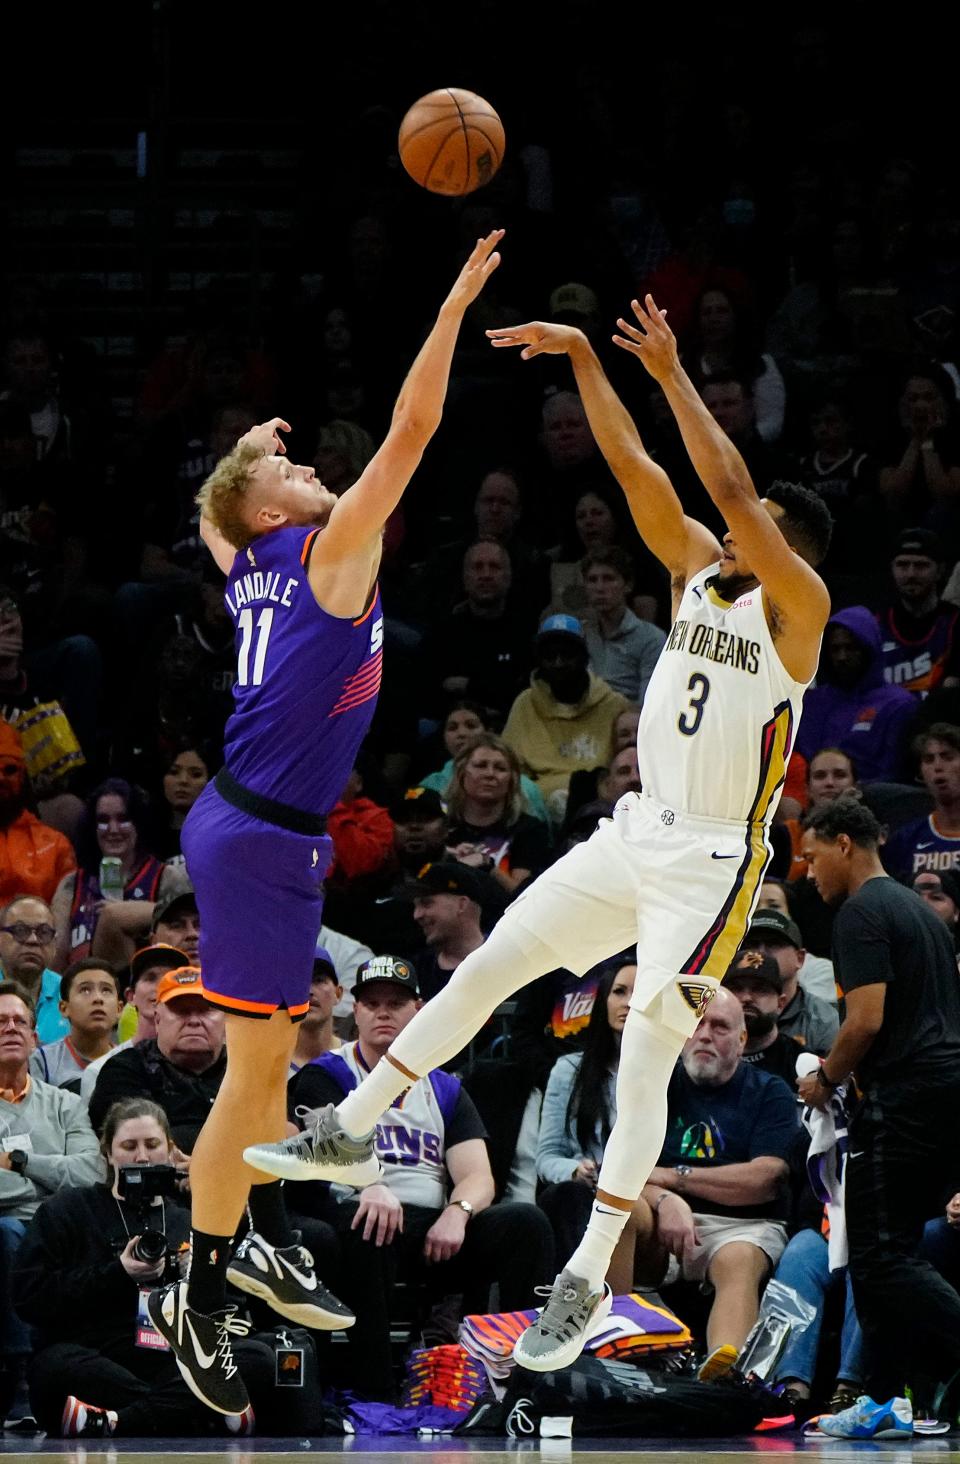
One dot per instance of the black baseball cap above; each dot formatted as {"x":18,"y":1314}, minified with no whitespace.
{"x":450,"y":877}
{"x":751,"y":966}
{"x":769,"y":923}
{"x":167,"y":957}
{"x":183,"y":894}
{"x":323,"y":964}
{"x":920,"y":541}
{"x":417,"y":805}
{"x":386,"y":968}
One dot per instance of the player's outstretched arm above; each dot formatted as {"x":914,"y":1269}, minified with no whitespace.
{"x":681,"y":544}
{"x":788,"y":580}
{"x":360,"y":514}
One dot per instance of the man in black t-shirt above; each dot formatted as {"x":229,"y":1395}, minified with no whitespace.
{"x":895,"y":962}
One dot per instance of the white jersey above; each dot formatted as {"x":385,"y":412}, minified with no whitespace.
{"x":721,"y":713}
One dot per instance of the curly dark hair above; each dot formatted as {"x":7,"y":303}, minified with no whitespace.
{"x":848,"y":815}
{"x":807,"y":522}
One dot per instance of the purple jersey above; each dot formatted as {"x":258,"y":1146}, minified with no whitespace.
{"x":307,"y":681}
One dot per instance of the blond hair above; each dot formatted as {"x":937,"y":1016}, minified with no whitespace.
{"x":223,"y":497}
{"x":455,"y":796}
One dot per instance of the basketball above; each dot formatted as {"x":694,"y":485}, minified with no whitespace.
{"x":451,"y":141}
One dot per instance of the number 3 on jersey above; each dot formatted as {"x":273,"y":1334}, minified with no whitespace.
{"x":264,"y":624}
{"x":699,"y":689}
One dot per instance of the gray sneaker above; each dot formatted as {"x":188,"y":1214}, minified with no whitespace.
{"x":557,"y":1337}
{"x":322,"y":1151}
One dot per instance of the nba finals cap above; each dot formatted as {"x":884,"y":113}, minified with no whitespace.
{"x":751,"y":966}
{"x":184,"y":981}
{"x":767,"y":923}
{"x":450,"y":877}
{"x":923,"y":542}
{"x":386,"y":968}
{"x":574,"y":299}
{"x":417,"y":805}
{"x":162,"y":956}
{"x":561,"y":625}
{"x":323,"y":964}
{"x":180,"y":894}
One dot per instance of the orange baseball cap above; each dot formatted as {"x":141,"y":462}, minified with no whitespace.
{"x":184,"y":981}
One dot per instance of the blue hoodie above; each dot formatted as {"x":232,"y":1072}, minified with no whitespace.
{"x":867,"y":722}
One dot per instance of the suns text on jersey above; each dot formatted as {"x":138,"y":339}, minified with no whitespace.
{"x":724,"y":647}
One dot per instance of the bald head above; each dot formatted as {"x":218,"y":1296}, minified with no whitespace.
{"x":711,"y":1055}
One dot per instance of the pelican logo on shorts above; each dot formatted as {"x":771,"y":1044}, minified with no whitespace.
{"x":667,"y":817}
{"x":697,"y":994}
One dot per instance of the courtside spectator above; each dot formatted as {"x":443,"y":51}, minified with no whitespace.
{"x":430,"y":1217}
{"x":48,"y":1145}
{"x":564,"y":720}
{"x":933,"y":840}
{"x":34,"y":858}
{"x":921,"y":641}
{"x":28,"y":940}
{"x":90,"y":1001}
{"x":851,"y":706}
{"x":807,"y":1018}
{"x":715,"y":1206}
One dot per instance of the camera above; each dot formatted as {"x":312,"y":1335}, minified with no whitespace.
{"x":138,"y":1185}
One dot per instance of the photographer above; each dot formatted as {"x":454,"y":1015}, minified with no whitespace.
{"x":84,"y":1269}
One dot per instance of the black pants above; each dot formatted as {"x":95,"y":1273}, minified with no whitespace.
{"x":146,"y":1391}
{"x":507,"y":1244}
{"x":904,"y":1155}
{"x":568,"y":1206}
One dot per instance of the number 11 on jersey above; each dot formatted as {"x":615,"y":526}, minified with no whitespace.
{"x":264,"y":624}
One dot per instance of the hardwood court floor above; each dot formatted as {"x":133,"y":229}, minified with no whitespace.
{"x":495,"y":1451}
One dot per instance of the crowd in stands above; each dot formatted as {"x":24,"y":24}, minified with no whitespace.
{"x":816,"y":305}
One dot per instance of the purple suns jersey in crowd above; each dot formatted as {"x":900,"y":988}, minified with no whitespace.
{"x":306,"y":681}
{"x":255,"y":841}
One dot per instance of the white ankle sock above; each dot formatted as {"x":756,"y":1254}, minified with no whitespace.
{"x":592,"y":1256}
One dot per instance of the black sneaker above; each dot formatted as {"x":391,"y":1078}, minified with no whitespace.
{"x":284,"y":1277}
{"x":201,"y":1346}
{"x":83,"y":1421}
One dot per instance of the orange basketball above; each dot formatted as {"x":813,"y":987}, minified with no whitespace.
{"x":451,"y":141}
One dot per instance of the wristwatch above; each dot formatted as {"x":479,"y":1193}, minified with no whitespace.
{"x":464,"y":1205}
{"x":682,"y":1170}
{"x":18,"y":1160}
{"x":824,"y":1081}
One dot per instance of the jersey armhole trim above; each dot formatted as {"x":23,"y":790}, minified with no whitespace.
{"x":307,"y":549}
{"x":369,"y":610}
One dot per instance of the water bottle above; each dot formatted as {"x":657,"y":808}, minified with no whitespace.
{"x":111,"y":878}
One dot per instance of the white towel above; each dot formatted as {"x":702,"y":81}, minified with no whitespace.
{"x":827,"y":1158}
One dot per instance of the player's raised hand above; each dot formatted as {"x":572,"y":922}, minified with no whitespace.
{"x":651,"y":339}
{"x":539,"y":338}
{"x":264,"y":436}
{"x":483,"y":260}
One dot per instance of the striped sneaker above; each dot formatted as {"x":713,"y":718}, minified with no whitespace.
{"x":84,"y":1421}
{"x":323,"y":1151}
{"x":558,"y":1335}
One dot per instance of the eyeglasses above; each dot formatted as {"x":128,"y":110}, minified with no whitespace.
{"x":22,"y":1024}
{"x":105,"y":824}
{"x":22,"y":932}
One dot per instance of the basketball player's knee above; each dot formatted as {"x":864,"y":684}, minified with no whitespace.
{"x":504,"y":964}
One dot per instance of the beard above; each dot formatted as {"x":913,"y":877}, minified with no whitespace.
{"x":759,"y":1024}
{"x":734,"y":584}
